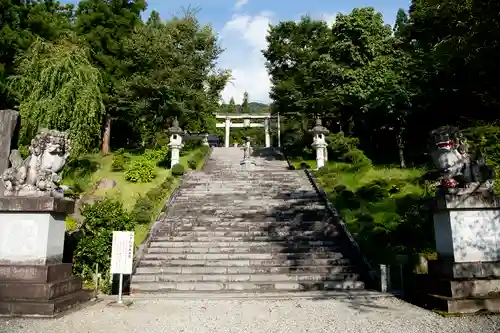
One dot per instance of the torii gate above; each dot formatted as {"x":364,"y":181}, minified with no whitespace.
{"x":247,"y":122}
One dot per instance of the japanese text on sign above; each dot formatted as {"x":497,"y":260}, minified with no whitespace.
{"x":122,"y":253}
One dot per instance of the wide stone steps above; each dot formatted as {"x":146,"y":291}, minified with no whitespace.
{"x":325,"y":270}
{"x":246,"y":262}
{"x":224,"y":250}
{"x":233,"y":231}
{"x":245,"y":231}
{"x":298,"y":277}
{"x":242,"y":233}
{"x":193,"y":238}
{"x":278,"y":257}
{"x":159,"y":287}
{"x":247,"y":244}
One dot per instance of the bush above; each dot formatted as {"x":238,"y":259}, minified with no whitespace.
{"x":94,"y":247}
{"x":205,"y":150}
{"x":167,"y":183}
{"x":178,"y":170}
{"x":141,"y":171}
{"x":156,"y":155}
{"x":193,"y":164}
{"x":120,"y":160}
{"x":358,"y":159}
{"x":145,"y":205}
{"x":304,"y":165}
{"x":143,"y":209}
{"x":339,"y":145}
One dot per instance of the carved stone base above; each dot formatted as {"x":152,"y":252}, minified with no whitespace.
{"x":33,"y":279}
{"x":464,"y":287}
{"x":39,"y":290}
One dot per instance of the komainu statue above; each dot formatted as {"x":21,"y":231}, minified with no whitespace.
{"x":37,"y":174}
{"x":459,"y":167}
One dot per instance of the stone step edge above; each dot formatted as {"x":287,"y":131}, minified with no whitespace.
{"x":247,"y":274}
{"x":290,"y":253}
{"x":243,"y":294}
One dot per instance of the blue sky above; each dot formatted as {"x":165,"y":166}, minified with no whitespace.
{"x":242,"y":28}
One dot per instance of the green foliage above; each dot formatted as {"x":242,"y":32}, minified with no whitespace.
{"x":383,"y":206}
{"x":192,"y":164}
{"x":21,"y":22}
{"x":71,"y":224}
{"x":59,"y":88}
{"x":156,"y":155}
{"x":189,"y":146}
{"x":77,"y":174}
{"x":358,"y":160}
{"x":120,"y":160}
{"x":339,"y":145}
{"x":169,"y":79}
{"x":146,"y":205}
{"x":178,"y":170}
{"x":141,"y":170}
{"x":94,"y":245}
{"x":485,"y":141}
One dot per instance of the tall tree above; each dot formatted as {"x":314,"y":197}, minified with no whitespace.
{"x":173,"y":74}
{"x":105,"y":25}
{"x":21,"y":22}
{"x":244,"y":103}
{"x":232,"y":105}
{"x":59,"y":88}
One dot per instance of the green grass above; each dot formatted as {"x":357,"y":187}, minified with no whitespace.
{"x":127,"y":192}
{"x":381,"y":205}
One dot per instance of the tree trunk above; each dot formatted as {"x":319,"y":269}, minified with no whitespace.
{"x":399,"y":138}
{"x":106,"y":137}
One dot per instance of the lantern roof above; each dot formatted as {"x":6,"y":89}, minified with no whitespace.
{"x":319,"y":128}
{"x":175,"y":128}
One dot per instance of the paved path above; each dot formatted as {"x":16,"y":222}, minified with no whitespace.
{"x":357,"y":315}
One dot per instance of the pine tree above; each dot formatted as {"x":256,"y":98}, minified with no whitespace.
{"x":244,"y":105}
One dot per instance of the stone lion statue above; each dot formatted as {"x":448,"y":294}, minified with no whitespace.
{"x":37,"y":175}
{"x":459,"y":167}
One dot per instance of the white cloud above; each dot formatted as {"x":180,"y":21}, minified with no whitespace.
{"x":240,"y":3}
{"x":329,"y":18}
{"x":243,"y":38}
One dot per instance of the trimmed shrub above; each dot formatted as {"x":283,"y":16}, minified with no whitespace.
{"x":156,"y":155}
{"x":119,"y":161}
{"x":192,"y":164}
{"x":143,"y":209}
{"x":145,"y":205}
{"x":339,"y":145}
{"x":358,"y":159}
{"x":141,"y":171}
{"x":178,"y":170}
{"x":304,"y":165}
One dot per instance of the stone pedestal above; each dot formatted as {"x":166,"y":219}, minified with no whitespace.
{"x":267,"y":133}
{"x":33,"y":279}
{"x":226,"y":133}
{"x":175,"y":156}
{"x":466,"y":276}
{"x":320,"y":154}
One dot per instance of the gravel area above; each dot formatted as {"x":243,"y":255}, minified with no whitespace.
{"x":259,"y":316}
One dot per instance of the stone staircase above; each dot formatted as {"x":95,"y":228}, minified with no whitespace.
{"x":230,"y":230}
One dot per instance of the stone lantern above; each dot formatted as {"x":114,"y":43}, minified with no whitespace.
{"x":175,"y":143}
{"x":204,"y":141}
{"x":319,"y":143}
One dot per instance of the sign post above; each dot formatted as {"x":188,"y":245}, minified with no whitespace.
{"x":122,"y":256}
